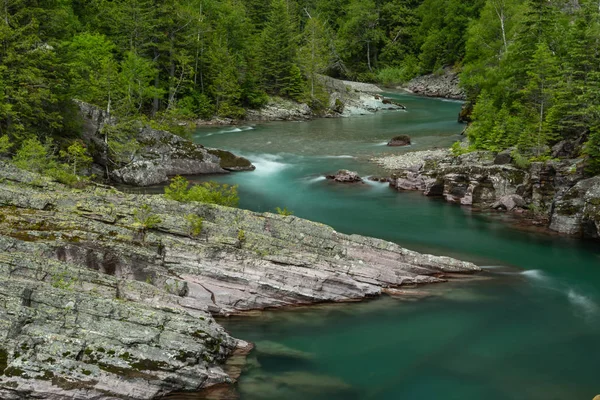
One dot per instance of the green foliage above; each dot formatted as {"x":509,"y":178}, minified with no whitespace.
{"x":195,"y":224}
{"x":519,"y":160}
{"x":592,"y":151}
{"x":144,"y":218}
{"x":458,"y":149}
{"x":390,"y":76}
{"x":206,"y":192}
{"x":33,"y":156}
{"x":285,"y":212}
{"x":77,"y":156}
{"x":5,"y":144}
{"x":241,"y":237}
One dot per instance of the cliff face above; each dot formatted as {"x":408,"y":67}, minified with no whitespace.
{"x":160,"y":155}
{"x":446,"y":85}
{"x":555,"y":192}
{"x":98,"y":302}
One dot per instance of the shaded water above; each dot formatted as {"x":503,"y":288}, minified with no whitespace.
{"x":529,"y":330}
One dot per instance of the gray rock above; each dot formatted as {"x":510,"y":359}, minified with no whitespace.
{"x":345,"y":176}
{"x":446,"y":85}
{"x":503,"y":158}
{"x":509,"y":203}
{"x":161,"y":154}
{"x":400,"y":140}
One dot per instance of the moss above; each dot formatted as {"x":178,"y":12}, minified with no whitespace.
{"x":125,"y":356}
{"x":13,"y":371}
{"x":230,"y":160}
{"x":3,"y":361}
{"x":86,"y":372}
{"x":149,"y":365}
{"x":72,"y":385}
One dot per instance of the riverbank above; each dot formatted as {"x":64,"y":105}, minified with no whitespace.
{"x":101,"y":302}
{"x":554,"y":194}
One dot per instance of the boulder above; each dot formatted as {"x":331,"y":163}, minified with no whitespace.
{"x":503,"y":158}
{"x":509,"y":203}
{"x":345,"y":176}
{"x":446,"y":85}
{"x":160,"y":155}
{"x":400,"y":140}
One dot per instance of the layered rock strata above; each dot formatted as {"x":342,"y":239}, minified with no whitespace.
{"x":445,"y":85}
{"x":554,"y":192}
{"x":160,"y":155}
{"x":106,"y":295}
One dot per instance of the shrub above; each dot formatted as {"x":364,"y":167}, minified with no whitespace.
{"x":458,"y":149}
{"x":207,"y":192}
{"x":33,"y":156}
{"x":195,"y":223}
{"x":285,"y":212}
{"x":520,"y":160}
{"x":77,"y":156}
{"x":36,"y":157}
{"x":145,"y":219}
{"x":5,"y":144}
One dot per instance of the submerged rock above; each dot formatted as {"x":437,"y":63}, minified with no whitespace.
{"x":95,"y":305}
{"x":400,"y":140}
{"x":274,"y":349}
{"x":345,"y":176}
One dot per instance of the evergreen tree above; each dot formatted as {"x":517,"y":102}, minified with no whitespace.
{"x":278,"y":49}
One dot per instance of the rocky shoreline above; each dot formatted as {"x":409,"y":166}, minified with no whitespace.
{"x":444,"y":85}
{"x":99,"y":303}
{"x":555,"y":194}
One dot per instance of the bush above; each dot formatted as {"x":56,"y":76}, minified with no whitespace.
{"x":5,"y":144}
{"x":33,"y":156}
{"x":285,"y":212}
{"x":458,"y":149}
{"x":36,"y":157}
{"x":145,"y":219}
{"x":520,"y":160}
{"x":195,"y":224}
{"x":207,"y":192}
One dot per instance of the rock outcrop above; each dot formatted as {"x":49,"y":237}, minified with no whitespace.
{"x":349,"y":98}
{"x":160,"y":154}
{"x":280,"y":109}
{"x":345,"y":176}
{"x":399,"y":141}
{"x":99,"y":302}
{"x":445,"y":85}
{"x":555,"y":192}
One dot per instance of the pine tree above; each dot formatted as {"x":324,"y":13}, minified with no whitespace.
{"x":315,"y":52}
{"x":278,"y":48}
{"x":538,"y":97}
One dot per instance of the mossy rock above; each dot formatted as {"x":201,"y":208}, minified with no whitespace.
{"x":400,"y":140}
{"x":231,"y":162}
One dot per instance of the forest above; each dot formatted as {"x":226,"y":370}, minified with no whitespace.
{"x":531,"y":69}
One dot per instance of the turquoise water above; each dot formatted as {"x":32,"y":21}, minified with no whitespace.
{"x":528,"y":329}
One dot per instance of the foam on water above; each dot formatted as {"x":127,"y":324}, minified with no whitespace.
{"x":267,"y":164}
{"x":316,"y":179}
{"x":342,"y":156}
{"x":535,"y":274}
{"x":231,"y":130}
{"x":582,"y":302}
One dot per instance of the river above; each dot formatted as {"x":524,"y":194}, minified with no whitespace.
{"x":528,"y":329}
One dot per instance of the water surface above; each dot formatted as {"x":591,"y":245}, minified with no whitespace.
{"x":529,"y":329}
